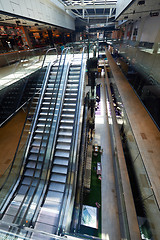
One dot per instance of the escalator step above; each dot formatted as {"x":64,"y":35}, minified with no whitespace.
{"x":39,"y":136}
{"x":33,"y":157}
{"x":72,"y":85}
{"x":52,"y":205}
{"x":63,"y":146}
{"x":23,"y":189}
{"x":37,"y":143}
{"x":70,"y":95}
{"x":74,"y":72}
{"x":44,"y":125}
{"x":66,"y":121}
{"x":73,"y":82}
{"x":60,"y":153}
{"x":27,"y":180}
{"x":59,"y":169}
{"x":61,"y":161}
{"x":66,"y":128}
{"x":54,"y":196}
{"x":71,"y":91}
{"x":30,"y":173}
{"x":62,"y":133}
{"x":64,"y":139}
{"x":70,"y":100}
{"x":73,"y":77}
{"x":36,"y":150}
{"x":59,"y":187}
{"x":70,"y":111}
{"x":69,"y":105}
{"x":33,"y":165}
{"x":45,"y":118}
{"x":41,"y":130}
{"x":58,"y":178}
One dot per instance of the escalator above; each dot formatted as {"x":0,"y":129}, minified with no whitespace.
{"x":50,"y":212}
{"x":33,"y":175}
{"x":42,"y":193}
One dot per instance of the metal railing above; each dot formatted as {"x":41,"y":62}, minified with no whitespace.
{"x":21,"y":72}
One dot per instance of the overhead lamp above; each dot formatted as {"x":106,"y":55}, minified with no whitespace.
{"x":141,"y":2}
{"x":154,"y":14}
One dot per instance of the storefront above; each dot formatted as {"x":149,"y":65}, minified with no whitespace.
{"x":12,"y":39}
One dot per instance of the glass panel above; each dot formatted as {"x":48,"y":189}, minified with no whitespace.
{"x":149,"y":215}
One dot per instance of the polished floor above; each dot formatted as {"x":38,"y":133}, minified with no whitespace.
{"x":110,"y":219}
{"x":9,"y":138}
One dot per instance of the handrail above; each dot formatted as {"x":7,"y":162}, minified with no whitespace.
{"x":21,"y":136}
{"x":24,"y":75}
{"x":72,"y":151}
{"x":73,"y":50}
{"x":32,"y":127}
{"x":50,"y":49}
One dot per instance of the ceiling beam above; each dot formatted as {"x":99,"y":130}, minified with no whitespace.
{"x":96,"y":6}
{"x":97,"y":16}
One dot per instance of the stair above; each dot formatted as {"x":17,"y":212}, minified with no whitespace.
{"x":61,"y":159}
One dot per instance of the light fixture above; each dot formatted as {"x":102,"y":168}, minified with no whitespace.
{"x":154,"y":14}
{"x":126,"y":17}
{"x":141,"y":2}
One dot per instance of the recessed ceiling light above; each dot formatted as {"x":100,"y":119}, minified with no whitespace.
{"x":154,"y":14}
{"x":141,"y":2}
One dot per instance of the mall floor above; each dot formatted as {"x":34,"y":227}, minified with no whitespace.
{"x":109,"y":209}
{"x":9,"y":138}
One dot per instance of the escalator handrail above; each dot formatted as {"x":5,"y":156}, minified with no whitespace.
{"x":20,"y":140}
{"x":74,"y":133}
{"x":17,"y":64}
{"x":50,"y":49}
{"x":40,"y":100}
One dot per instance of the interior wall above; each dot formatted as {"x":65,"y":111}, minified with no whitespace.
{"x":150,"y":29}
{"x":121,"y":5}
{"x":47,"y":11}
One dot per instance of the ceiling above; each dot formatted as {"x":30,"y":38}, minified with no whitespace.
{"x":102,"y":11}
{"x":140,"y":9}
{"x":33,"y":25}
